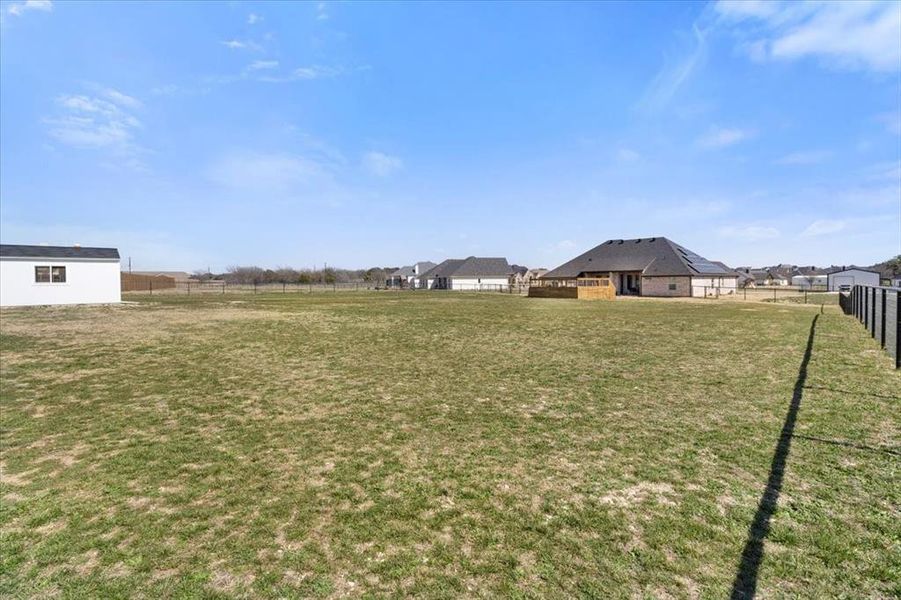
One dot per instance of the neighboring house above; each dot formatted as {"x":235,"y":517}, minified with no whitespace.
{"x":808,"y":277}
{"x":473,"y":273}
{"x":895,"y":281}
{"x":408,"y":276}
{"x":649,"y":267}
{"x":518,"y":275}
{"x":845,"y":279}
{"x":745,"y":279}
{"x":180,"y":277}
{"x":761,"y":277}
{"x":37,"y":275}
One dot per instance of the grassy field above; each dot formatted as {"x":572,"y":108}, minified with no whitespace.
{"x":446,"y":445}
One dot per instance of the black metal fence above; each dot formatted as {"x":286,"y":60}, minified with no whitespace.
{"x":878,"y":309}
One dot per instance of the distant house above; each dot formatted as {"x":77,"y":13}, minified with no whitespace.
{"x":473,"y":273}
{"x":178,"y":276}
{"x":808,"y":277}
{"x":649,"y":267}
{"x":745,"y":279}
{"x":36,"y":275}
{"x":406,"y":276}
{"x":845,"y":279}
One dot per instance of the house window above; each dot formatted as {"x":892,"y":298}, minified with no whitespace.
{"x":672,"y":287}
{"x":50,"y":274}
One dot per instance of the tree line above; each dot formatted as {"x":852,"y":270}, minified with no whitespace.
{"x":249,"y":275}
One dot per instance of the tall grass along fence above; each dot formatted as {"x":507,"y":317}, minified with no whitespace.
{"x":878,"y":309}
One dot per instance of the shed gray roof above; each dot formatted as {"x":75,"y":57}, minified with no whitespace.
{"x":653,"y":257}
{"x":474,"y":266}
{"x":24,"y":251}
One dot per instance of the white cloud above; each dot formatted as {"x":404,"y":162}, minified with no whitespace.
{"x":259,"y":65}
{"x":810,"y":157}
{"x":627,"y":155}
{"x":846,"y":35}
{"x":305,"y":74}
{"x":748,"y":233}
{"x":823,"y":227}
{"x":321,"y":11}
{"x":381,"y":165}
{"x":92,"y":122}
{"x":253,"y":19}
{"x":122,"y":99}
{"x":17,"y":9}
{"x":278,"y":173}
{"x":242,"y":45}
{"x":721,"y":137}
{"x":674,"y":74}
{"x":891,"y":120}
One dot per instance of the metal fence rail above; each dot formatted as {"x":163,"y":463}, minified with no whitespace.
{"x":877,"y":308}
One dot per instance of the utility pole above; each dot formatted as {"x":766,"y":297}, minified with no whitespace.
{"x":129,"y":265}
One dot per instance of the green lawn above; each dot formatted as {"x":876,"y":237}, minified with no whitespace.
{"x":443,"y":445}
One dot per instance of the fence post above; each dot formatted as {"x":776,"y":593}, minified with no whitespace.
{"x":151,"y":287}
{"x":774,"y":294}
{"x":223,"y":287}
{"x":805,"y":296}
{"x":283,"y":287}
{"x":254,"y":287}
{"x":746,"y":292}
{"x":189,"y":288}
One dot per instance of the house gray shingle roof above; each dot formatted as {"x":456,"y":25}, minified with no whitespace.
{"x":474,"y":266}
{"x":25,"y":251}
{"x":403,"y":272}
{"x":653,"y":257}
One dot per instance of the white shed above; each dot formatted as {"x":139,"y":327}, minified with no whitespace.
{"x":847,"y":278}
{"x":38,"y":275}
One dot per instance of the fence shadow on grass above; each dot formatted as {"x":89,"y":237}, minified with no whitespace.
{"x":745,"y":584}
{"x":846,"y":444}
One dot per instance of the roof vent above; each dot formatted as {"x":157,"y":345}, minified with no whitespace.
{"x":620,"y":242}
{"x":638,"y":241}
{"x":652,"y":240}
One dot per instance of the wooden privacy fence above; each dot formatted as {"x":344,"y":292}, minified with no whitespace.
{"x":583,"y":288}
{"x":878,"y":309}
{"x":132,"y":282}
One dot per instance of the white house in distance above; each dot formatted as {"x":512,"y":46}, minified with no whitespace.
{"x":474,"y":273}
{"x":38,"y":275}
{"x":845,"y":279}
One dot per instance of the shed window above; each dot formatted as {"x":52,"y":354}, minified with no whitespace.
{"x":672,"y":287}
{"x":54,"y":274}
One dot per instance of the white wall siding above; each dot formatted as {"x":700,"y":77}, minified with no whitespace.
{"x":87,"y":282}
{"x":484,"y":284}
{"x":713,"y":286}
{"x":852,"y":277}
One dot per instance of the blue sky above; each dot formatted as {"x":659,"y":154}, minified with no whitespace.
{"x":360,"y":134}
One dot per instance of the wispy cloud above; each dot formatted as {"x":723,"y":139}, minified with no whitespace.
{"x":891,"y":120}
{"x":305,"y":74}
{"x":810,"y":157}
{"x":242,"y":45}
{"x":846,"y":35}
{"x":381,"y":165}
{"x":102,"y":121}
{"x":627,"y":155}
{"x":260,"y":65}
{"x":748,"y":233}
{"x":269,"y":173}
{"x":722,"y":137}
{"x":321,"y":11}
{"x":675,"y":73}
{"x":253,"y":18}
{"x":19,"y":8}
{"x":823,"y":227}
